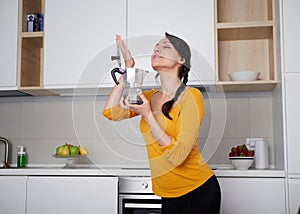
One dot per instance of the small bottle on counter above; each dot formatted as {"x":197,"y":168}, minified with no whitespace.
{"x":22,"y":159}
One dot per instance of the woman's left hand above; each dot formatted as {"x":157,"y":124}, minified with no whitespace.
{"x":144,"y":109}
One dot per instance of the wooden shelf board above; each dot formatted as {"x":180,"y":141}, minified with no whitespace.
{"x":32,"y":34}
{"x":224,"y":25}
{"x":259,"y":85}
{"x":247,"y":82}
{"x":37,"y":91}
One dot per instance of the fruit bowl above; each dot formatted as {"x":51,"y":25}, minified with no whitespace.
{"x":70,"y":158}
{"x":70,"y":152}
{"x":241,"y":162}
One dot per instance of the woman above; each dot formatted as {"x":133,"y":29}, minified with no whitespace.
{"x":170,"y":123}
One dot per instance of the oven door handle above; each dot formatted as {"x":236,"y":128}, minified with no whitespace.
{"x":142,"y":205}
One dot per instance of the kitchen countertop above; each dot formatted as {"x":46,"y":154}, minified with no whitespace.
{"x":127,"y":171}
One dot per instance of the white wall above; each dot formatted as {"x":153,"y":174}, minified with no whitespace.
{"x":43,"y":123}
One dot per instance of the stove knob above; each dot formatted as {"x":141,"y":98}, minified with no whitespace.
{"x":145,"y":185}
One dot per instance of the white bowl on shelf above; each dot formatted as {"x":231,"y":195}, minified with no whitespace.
{"x":244,"y":75}
{"x":241,"y":162}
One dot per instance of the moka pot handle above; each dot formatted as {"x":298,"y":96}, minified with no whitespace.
{"x":113,"y":74}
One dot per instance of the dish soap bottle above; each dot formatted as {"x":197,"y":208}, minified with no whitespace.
{"x":21,"y":160}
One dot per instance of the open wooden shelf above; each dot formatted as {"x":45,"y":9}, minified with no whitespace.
{"x":244,"y":10}
{"x":31,"y":62}
{"x":31,"y":51}
{"x":29,"y":7}
{"x":246,"y":49}
{"x":246,"y":40}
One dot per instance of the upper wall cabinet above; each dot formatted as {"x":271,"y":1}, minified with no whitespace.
{"x":291,"y":33}
{"x":292,"y":120}
{"x":193,"y":21}
{"x":246,"y":39}
{"x":8,"y":44}
{"x":79,"y":41}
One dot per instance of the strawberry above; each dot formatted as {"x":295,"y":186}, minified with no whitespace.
{"x":242,"y":154}
{"x":244,"y":148}
{"x":239,"y":149}
{"x":233,"y":154}
{"x":250,"y":154}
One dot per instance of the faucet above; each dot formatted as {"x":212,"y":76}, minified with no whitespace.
{"x":5,"y":141}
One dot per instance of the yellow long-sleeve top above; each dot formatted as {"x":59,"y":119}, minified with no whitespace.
{"x":178,"y":168}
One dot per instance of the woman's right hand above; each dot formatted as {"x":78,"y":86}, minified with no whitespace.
{"x":129,"y":61}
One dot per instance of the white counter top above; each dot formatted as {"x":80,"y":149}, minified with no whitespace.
{"x":126,"y":171}
{"x":76,"y":172}
{"x":269,"y":173}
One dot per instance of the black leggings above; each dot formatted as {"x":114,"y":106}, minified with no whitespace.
{"x":206,"y":199}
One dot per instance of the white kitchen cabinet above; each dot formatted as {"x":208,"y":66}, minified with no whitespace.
{"x":252,"y":195}
{"x":13,"y":194}
{"x":294,"y":195}
{"x":8,"y":44}
{"x":72,"y":195}
{"x":79,"y":41}
{"x":292,"y":104}
{"x":191,"y":20}
{"x":291,"y":18}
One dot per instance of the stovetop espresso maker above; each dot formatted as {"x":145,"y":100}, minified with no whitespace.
{"x":133,"y":80}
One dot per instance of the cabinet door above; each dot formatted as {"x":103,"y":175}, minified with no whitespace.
{"x":252,"y":195}
{"x":72,"y":195}
{"x":13,"y":194}
{"x":79,"y":41}
{"x":291,"y":30}
{"x":294,"y":195}
{"x":193,"y":21}
{"x":8,"y":44}
{"x":292,"y":88}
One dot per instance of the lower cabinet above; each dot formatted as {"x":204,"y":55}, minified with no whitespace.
{"x":13,"y":194}
{"x":87,"y":194}
{"x":294,"y":195}
{"x":72,"y":195}
{"x":252,"y":195}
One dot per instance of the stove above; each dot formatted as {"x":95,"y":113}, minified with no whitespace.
{"x":136,"y":196}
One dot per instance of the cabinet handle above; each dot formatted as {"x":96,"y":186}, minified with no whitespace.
{"x":146,"y":206}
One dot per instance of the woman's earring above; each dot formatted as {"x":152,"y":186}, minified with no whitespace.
{"x":181,"y":60}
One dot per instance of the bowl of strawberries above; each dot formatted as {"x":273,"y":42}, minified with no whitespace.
{"x":241,"y":157}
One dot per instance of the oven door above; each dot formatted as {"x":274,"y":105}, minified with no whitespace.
{"x":139,"y":204}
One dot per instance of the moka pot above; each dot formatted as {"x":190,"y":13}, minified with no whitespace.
{"x":133,"y":81}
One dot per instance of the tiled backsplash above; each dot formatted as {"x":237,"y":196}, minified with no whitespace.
{"x":43,"y":123}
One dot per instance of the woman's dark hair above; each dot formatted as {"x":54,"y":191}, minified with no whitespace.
{"x":184,"y":51}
